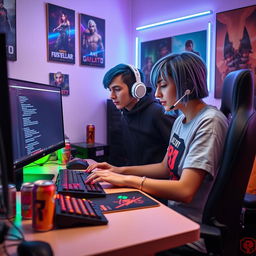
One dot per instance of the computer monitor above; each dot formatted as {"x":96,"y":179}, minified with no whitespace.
{"x":37,"y":122}
{"x":6,"y":161}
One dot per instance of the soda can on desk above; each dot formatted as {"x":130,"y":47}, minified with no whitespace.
{"x":67,"y":152}
{"x":26,"y":200}
{"x":43,"y":205}
{"x":90,"y":134}
{"x":64,"y":154}
{"x":11,"y":211}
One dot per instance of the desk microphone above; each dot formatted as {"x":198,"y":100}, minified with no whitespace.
{"x":187,"y":92}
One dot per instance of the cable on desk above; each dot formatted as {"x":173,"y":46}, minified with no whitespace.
{"x":12,"y":237}
{"x":22,"y":238}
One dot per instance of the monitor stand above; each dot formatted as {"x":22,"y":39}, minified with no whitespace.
{"x":20,"y":177}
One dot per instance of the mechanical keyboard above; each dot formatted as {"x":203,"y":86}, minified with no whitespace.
{"x":72,"y":183}
{"x":72,"y":212}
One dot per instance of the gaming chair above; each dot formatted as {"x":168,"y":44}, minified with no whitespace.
{"x":221,"y":217}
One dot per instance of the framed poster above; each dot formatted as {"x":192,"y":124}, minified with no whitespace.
{"x":92,"y":41}
{"x":235,"y":43}
{"x":8,"y":26}
{"x":194,"y":42}
{"x":151,"y":51}
{"x":60,"y":80}
{"x":60,"y":34}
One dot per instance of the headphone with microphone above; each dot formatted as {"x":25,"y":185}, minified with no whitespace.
{"x":187,"y":92}
{"x":138,"y":89}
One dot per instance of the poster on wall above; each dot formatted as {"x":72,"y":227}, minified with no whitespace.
{"x":92,"y":41}
{"x":60,"y":80}
{"x":60,"y":34}
{"x":193,"y":42}
{"x":235,"y":43}
{"x":8,"y":27}
{"x":151,"y":51}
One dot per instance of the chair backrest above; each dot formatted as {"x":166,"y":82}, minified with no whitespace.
{"x":225,"y":199}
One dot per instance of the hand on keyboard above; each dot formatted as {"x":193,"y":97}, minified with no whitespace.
{"x":113,"y":178}
{"x":74,"y":182}
{"x":102,"y":166}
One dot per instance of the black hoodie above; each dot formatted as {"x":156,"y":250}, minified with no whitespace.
{"x":146,"y":131}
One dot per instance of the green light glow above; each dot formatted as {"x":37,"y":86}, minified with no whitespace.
{"x":40,"y":161}
{"x":122,"y":197}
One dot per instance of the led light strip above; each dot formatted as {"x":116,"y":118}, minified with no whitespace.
{"x":136,"y":52}
{"x":208,"y":52}
{"x":174,"y":20}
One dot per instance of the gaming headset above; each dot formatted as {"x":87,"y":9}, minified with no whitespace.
{"x":138,"y":89}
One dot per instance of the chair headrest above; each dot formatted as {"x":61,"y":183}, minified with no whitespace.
{"x":237,"y":91}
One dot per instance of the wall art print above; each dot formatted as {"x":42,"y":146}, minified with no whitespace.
{"x":60,"y":80}
{"x":8,"y":27}
{"x":194,"y":42}
{"x":151,"y":51}
{"x":235,"y":43}
{"x":60,"y":34}
{"x":92,"y":41}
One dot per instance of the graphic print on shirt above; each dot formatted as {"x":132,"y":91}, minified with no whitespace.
{"x":174,"y":154}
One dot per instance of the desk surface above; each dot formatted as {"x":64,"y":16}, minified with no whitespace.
{"x":144,"y":231}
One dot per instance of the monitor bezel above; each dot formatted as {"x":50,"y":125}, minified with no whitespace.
{"x":32,"y":158}
{"x":6,"y":161}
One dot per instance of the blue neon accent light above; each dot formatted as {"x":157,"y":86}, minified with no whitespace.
{"x":174,"y":20}
{"x":209,"y":32}
{"x":137,"y":52}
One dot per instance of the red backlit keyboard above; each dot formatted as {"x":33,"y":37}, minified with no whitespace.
{"x":73,"y":183}
{"x":71,"y":212}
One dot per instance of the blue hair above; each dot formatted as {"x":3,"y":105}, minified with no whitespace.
{"x":186,"y":69}
{"x":126,"y":73}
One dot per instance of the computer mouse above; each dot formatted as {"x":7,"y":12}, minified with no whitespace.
{"x":77,"y":164}
{"x":34,"y":248}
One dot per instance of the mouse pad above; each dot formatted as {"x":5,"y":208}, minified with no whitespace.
{"x":124,"y":201}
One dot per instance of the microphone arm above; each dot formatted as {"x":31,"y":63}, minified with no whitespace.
{"x":187,"y":92}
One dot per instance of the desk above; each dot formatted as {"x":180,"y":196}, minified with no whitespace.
{"x":135,"y":232}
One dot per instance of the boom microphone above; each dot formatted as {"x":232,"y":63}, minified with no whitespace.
{"x":187,"y":92}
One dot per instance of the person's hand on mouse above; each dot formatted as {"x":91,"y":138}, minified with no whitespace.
{"x":103,"y":166}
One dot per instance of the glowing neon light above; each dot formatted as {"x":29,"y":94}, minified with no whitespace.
{"x":137,"y":52}
{"x":174,"y":20}
{"x":208,"y":58}
{"x":122,"y":197}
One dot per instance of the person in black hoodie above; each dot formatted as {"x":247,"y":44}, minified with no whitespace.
{"x":146,"y":128}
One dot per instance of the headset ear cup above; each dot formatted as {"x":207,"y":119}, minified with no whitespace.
{"x":138,"y":90}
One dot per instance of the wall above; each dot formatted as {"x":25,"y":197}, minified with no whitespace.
{"x":155,"y":11}
{"x":87,"y":100}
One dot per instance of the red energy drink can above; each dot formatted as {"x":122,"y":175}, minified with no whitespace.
{"x":12,"y":201}
{"x":26,"y":200}
{"x":90,"y":134}
{"x":11,"y":211}
{"x":64,"y":154}
{"x":43,"y":205}
{"x":67,"y":152}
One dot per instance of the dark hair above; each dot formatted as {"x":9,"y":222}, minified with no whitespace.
{"x":187,"y":70}
{"x":126,"y":73}
{"x":188,"y":43}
